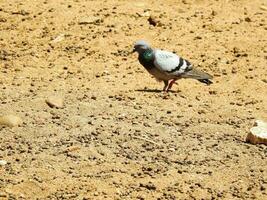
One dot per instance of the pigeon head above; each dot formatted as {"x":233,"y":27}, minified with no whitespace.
{"x":140,"y":46}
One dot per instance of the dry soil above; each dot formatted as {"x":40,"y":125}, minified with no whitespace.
{"x":118,"y":136}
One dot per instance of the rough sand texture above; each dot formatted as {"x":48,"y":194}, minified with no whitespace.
{"x":118,"y":136}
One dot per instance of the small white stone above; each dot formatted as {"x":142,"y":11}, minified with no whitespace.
{"x":144,"y":14}
{"x":3,"y":162}
{"x":59,"y":38}
{"x":258,"y":133}
{"x":263,"y":8}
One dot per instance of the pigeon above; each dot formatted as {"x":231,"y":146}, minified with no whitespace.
{"x":166,"y":66}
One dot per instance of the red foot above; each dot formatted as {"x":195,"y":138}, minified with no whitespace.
{"x":170,"y":85}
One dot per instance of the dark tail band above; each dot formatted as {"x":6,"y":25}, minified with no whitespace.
{"x":206,"y":81}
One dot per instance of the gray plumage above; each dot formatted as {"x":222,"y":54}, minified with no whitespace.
{"x":167,"y":66}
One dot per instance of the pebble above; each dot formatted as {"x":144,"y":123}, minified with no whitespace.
{"x":149,"y":186}
{"x":73,"y":148}
{"x":59,"y":38}
{"x":247,"y":19}
{"x":10,"y":120}
{"x":54,"y":101}
{"x":145,"y":14}
{"x":3,"y":162}
{"x":153,"y":21}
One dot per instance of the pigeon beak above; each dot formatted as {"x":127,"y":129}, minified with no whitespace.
{"x":134,"y":50}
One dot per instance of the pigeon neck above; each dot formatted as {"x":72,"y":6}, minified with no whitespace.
{"x":146,"y":58}
{"x":147,"y":55}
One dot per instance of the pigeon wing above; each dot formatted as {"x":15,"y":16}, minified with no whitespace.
{"x":171,"y":63}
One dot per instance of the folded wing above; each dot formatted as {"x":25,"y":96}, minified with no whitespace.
{"x":171,"y":63}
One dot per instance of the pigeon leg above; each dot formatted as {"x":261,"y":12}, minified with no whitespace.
{"x":166,"y":83}
{"x":170,"y":84}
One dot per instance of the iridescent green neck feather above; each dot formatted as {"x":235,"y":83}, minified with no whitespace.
{"x":148,"y":55}
{"x":146,"y":58}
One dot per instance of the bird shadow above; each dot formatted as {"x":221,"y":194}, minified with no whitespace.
{"x":154,"y":91}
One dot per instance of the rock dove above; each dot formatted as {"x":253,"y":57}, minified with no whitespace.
{"x":166,"y":66}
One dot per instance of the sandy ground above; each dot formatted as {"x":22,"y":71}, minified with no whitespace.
{"x":118,"y":136}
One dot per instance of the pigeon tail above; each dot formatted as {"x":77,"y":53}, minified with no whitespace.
{"x":197,"y":74}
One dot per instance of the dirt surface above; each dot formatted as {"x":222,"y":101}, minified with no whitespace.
{"x":118,"y":136}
